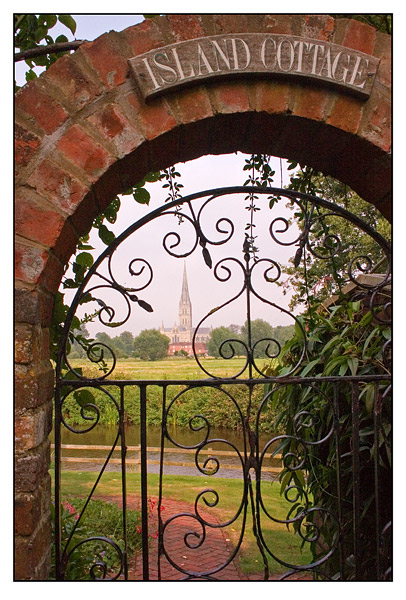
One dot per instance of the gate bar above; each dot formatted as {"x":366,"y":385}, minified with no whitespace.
{"x":144,"y":491}
{"x":356,"y":479}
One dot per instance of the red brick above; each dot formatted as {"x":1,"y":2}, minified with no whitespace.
{"x":360,"y":36}
{"x":376,"y":123}
{"x":230,"y":97}
{"x":106,"y":59}
{"x":51,"y":276}
{"x":85,"y":213}
{"x":44,"y":111}
{"x":320,"y":27}
{"x":66,"y":243}
{"x":230,"y":23}
{"x":143,"y":37}
{"x":72,"y":80}
{"x":113,"y":125}
{"x":311,"y":103}
{"x":29,"y":262}
{"x":186,"y":27}
{"x":346,"y":114}
{"x":192,"y":105}
{"x":59,"y":186}
{"x":272,"y":96}
{"x":278,"y":24}
{"x":154,"y":119}
{"x":26,"y":144}
{"x":36,"y":222}
{"x":82,"y":150}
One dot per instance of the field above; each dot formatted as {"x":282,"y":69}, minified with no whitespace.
{"x":171,"y":368}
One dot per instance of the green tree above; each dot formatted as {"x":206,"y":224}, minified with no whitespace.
{"x":336,"y":240}
{"x":216,"y":339}
{"x":260,"y":330}
{"x":151,"y":344}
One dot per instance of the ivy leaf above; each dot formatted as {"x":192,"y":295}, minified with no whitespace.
{"x":68,"y":21}
{"x":83,"y":397}
{"x":141,"y":195}
{"x":106,"y":236}
{"x":85,"y":259}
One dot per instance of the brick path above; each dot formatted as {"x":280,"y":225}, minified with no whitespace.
{"x":214,"y":551}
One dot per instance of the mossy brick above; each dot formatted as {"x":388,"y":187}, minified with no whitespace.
{"x":33,"y":384}
{"x":28,"y":508}
{"x":58,"y":185}
{"x":230,"y":23}
{"x":31,"y":467}
{"x":30,"y":551}
{"x":36,"y":221}
{"x":376,"y":123}
{"x":311,"y":102}
{"x":26,"y":144}
{"x":186,"y":27}
{"x":24,"y":344}
{"x":32,"y":306}
{"x":32,"y":427}
{"x":107,"y":59}
{"x":77,"y":146}
{"x":69,"y":75}
{"x":319,"y":27}
{"x":29,"y":262}
{"x":40,"y":108}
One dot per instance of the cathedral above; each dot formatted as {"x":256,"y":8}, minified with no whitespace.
{"x":181,"y":334}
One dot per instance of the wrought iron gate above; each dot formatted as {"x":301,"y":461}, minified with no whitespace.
{"x":335,"y":475}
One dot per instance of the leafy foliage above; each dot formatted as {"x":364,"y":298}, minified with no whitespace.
{"x":30,"y":30}
{"x":344,"y":340}
{"x":151,"y":344}
{"x":99,"y":519}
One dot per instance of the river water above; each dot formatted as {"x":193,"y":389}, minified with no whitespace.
{"x":176,"y":460}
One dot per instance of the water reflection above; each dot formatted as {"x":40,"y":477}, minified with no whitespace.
{"x":176,"y":461}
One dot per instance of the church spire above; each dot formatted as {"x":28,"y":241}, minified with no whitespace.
{"x":185,"y":305}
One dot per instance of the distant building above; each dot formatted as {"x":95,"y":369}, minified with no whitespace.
{"x":181,"y":334}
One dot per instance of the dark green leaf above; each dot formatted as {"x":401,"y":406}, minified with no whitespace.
{"x":68,"y":21}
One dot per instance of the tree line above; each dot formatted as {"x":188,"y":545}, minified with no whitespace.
{"x":151,"y":344}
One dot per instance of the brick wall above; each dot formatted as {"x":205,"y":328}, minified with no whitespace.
{"x":83,"y":134}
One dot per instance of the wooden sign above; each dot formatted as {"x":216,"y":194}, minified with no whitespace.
{"x":249,"y":55}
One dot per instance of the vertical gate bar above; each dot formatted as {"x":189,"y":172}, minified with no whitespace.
{"x":124,"y":481}
{"x":161,"y":467}
{"x":57,"y":467}
{"x":339,"y":490}
{"x":356,"y":478}
{"x":144,"y":483}
{"x":376,"y":474}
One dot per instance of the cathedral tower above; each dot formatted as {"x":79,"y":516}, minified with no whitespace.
{"x":185,"y":306}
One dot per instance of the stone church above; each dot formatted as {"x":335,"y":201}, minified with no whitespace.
{"x":181,"y":334}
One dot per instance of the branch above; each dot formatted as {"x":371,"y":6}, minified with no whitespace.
{"x":50,"y":49}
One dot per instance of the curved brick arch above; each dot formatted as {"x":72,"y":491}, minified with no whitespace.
{"x":84,"y":134}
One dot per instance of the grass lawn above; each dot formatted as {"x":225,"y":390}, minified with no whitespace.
{"x":283,"y":543}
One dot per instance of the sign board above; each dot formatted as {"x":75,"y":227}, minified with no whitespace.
{"x":252,"y":54}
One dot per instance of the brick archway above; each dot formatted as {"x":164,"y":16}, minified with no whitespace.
{"x":84,"y":134}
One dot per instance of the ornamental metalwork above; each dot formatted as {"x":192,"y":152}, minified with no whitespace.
{"x":250,"y":393}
